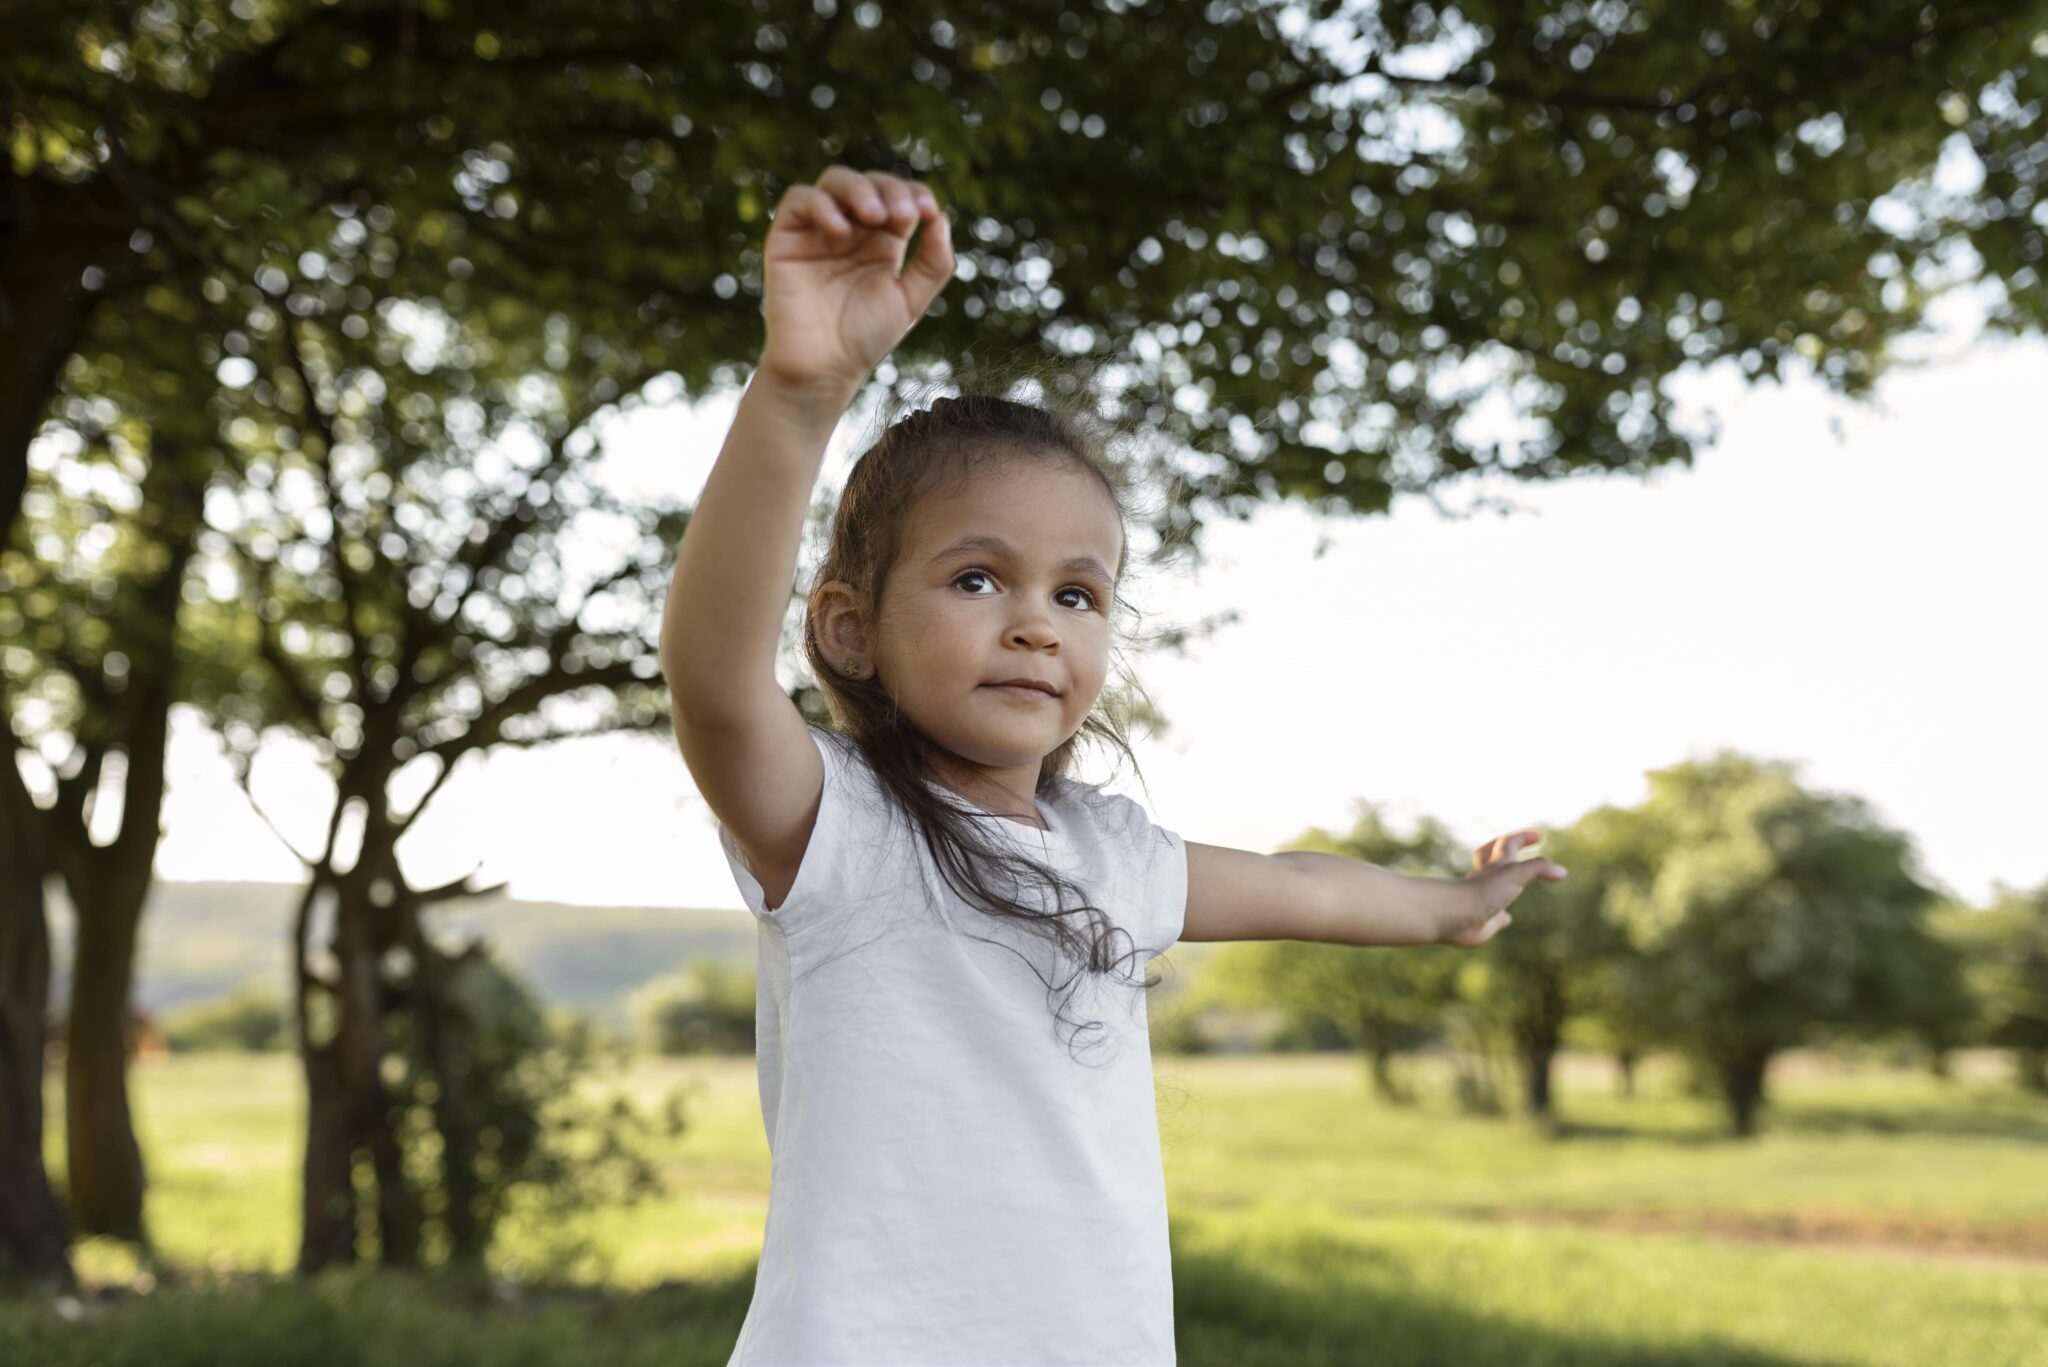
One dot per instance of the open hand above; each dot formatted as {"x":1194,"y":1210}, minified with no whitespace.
{"x":1496,"y":880}
{"x":831,"y":295}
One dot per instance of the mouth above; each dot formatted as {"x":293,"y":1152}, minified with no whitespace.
{"x":1022,"y":691}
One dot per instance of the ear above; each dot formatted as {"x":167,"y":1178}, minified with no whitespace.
{"x":835,"y":611}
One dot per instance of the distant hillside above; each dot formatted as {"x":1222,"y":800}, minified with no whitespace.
{"x":203,"y":939}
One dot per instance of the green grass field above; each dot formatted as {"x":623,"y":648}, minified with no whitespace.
{"x":1882,"y":1217}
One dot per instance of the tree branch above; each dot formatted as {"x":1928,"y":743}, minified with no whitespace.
{"x":240,"y":762}
{"x":359,"y":668}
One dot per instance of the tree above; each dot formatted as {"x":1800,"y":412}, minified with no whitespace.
{"x":118,"y":521}
{"x":1763,"y":911}
{"x":1652,"y":185}
{"x":1540,"y":972}
{"x":2010,"y":968}
{"x":1621,"y":1012}
{"x":1384,"y":998}
{"x":408,"y":586}
{"x":1940,"y":1011}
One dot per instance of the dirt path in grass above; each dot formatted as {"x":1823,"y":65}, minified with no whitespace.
{"x":2020,"y":1243}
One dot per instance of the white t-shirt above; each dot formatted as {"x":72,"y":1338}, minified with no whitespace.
{"x":959,"y":1180}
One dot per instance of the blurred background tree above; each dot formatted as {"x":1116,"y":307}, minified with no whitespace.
{"x":1620,"y":1017}
{"x":2009,"y":964}
{"x":1535,"y":979}
{"x":449,"y":581}
{"x":1380,"y":999}
{"x":118,"y":552}
{"x":1764,"y":912}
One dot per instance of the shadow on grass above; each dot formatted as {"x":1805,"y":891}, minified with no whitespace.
{"x":1983,"y":1122}
{"x":1230,"y":1314}
{"x":368,"y":1318}
{"x":1577,"y":1131}
{"x":1338,"y":1312}
{"x":1994,"y":1116}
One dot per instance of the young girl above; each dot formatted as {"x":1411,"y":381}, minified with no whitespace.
{"x":956,"y":1180}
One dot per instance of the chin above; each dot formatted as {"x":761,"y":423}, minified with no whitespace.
{"x":1024,"y":745}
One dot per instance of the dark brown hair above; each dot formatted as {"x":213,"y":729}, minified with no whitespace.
{"x":938,"y":447}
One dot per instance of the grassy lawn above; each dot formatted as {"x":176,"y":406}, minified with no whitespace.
{"x":1881,"y":1217}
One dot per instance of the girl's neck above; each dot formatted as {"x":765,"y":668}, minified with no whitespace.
{"x":991,"y":794}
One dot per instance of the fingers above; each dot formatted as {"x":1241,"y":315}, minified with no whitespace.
{"x":1527,"y":871}
{"x":808,"y":205}
{"x":877,"y":199}
{"x":906,"y":203}
{"x":1503,"y":849}
{"x":1506,"y":846}
{"x":860,"y":199}
{"x":845,"y":199}
{"x":932,"y":267}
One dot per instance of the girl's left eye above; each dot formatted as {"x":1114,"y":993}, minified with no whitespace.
{"x":1071,"y":588}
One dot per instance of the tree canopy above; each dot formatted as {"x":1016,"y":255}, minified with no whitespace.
{"x":1316,"y":239}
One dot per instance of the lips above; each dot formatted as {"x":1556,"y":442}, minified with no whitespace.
{"x":1024,"y":689}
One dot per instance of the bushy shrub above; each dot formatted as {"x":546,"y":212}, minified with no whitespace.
{"x":707,"y":1008}
{"x":1300,"y":1033}
{"x":1174,"y":1030}
{"x":488,"y":1111}
{"x":251,"y":1019}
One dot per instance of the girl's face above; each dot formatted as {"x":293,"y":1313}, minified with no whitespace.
{"x":1009,"y":578}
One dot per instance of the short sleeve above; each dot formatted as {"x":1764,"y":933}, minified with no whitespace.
{"x":1158,"y":874}
{"x":837,"y":863}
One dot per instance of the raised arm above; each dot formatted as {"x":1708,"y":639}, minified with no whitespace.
{"x":834,"y":305}
{"x":722,"y":623}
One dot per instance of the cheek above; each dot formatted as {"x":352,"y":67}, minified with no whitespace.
{"x":938,"y":633}
{"x":1096,"y":668}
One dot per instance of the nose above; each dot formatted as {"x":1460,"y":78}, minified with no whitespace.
{"x":1035,"y":632}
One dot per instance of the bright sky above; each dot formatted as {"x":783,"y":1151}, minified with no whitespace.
{"x":1864,"y":602}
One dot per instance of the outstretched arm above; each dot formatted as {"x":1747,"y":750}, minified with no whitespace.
{"x":1333,"y":899}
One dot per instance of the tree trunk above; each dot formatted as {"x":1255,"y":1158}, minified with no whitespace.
{"x":1536,"y":1027}
{"x":46,"y":314}
{"x":1383,"y":1084}
{"x":1742,"y":1087}
{"x":362,"y":1056}
{"x":327,"y":1201}
{"x":2033,"y":1069}
{"x":104,"y":1163}
{"x":33,"y":1238}
{"x":1625,"y":1065}
{"x":349,"y":1109}
{"x":1536,"y":1079}
{"x":454,"y":1109}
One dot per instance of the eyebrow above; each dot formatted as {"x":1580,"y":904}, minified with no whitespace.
{"x":995,"y":545}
